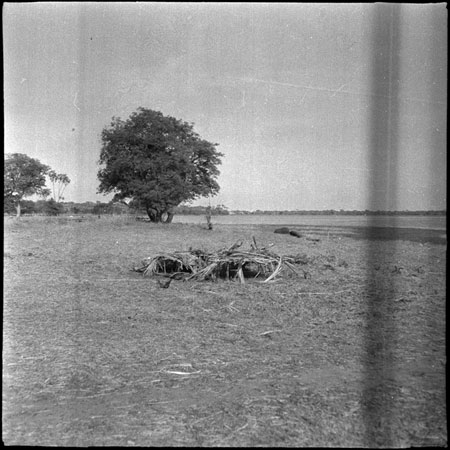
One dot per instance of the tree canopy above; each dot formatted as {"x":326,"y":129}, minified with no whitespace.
{"x":157,"y":161}
{"x":23,"y":176}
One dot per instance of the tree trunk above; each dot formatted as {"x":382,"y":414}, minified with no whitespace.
{"x":154,"y":215}
{"x":157,"y":216}
{"x":18,"y":210}
{"x":169,"y":217}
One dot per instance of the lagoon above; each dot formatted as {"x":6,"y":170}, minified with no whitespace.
{"x":417,"y":222}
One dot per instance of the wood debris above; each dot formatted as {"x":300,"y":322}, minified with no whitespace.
{"x":230,"y":264}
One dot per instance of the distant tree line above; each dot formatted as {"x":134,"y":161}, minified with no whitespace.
{"x":53,"y":208}
{"x":50,"y":207}
{"x":219,"y":210}
{"x":341,"y":212}
{"x":40,"y":207}
{"x":99,"y":208}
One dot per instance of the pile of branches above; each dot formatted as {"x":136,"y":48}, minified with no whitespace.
{"x":231,"y":263}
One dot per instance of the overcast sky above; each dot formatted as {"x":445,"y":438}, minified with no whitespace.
{"x":291,"y":92}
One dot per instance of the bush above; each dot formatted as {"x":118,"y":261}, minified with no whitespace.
{"x":52,"y":208}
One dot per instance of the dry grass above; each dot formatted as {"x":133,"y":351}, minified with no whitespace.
{"x":96,"y":354}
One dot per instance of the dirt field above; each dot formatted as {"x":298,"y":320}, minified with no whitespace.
{"x":349,"y":353}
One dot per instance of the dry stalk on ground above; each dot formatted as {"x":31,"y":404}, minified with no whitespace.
{"x":230,"y":263}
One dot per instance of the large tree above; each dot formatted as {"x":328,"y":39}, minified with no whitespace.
{"x":158,"y":162}
{"x":23,"y":177}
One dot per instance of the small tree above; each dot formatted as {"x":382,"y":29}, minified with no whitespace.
{"x":158,"y":162}
{"x":208,"y":218}
{"x":59,"y":183}
{"x":23,"y":177}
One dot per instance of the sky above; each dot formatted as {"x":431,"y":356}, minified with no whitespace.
{"x":315,"y":106}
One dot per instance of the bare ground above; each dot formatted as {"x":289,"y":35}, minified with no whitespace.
{"x":351,"y":354}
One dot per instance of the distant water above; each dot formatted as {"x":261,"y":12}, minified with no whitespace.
{"x":419,"y":222}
